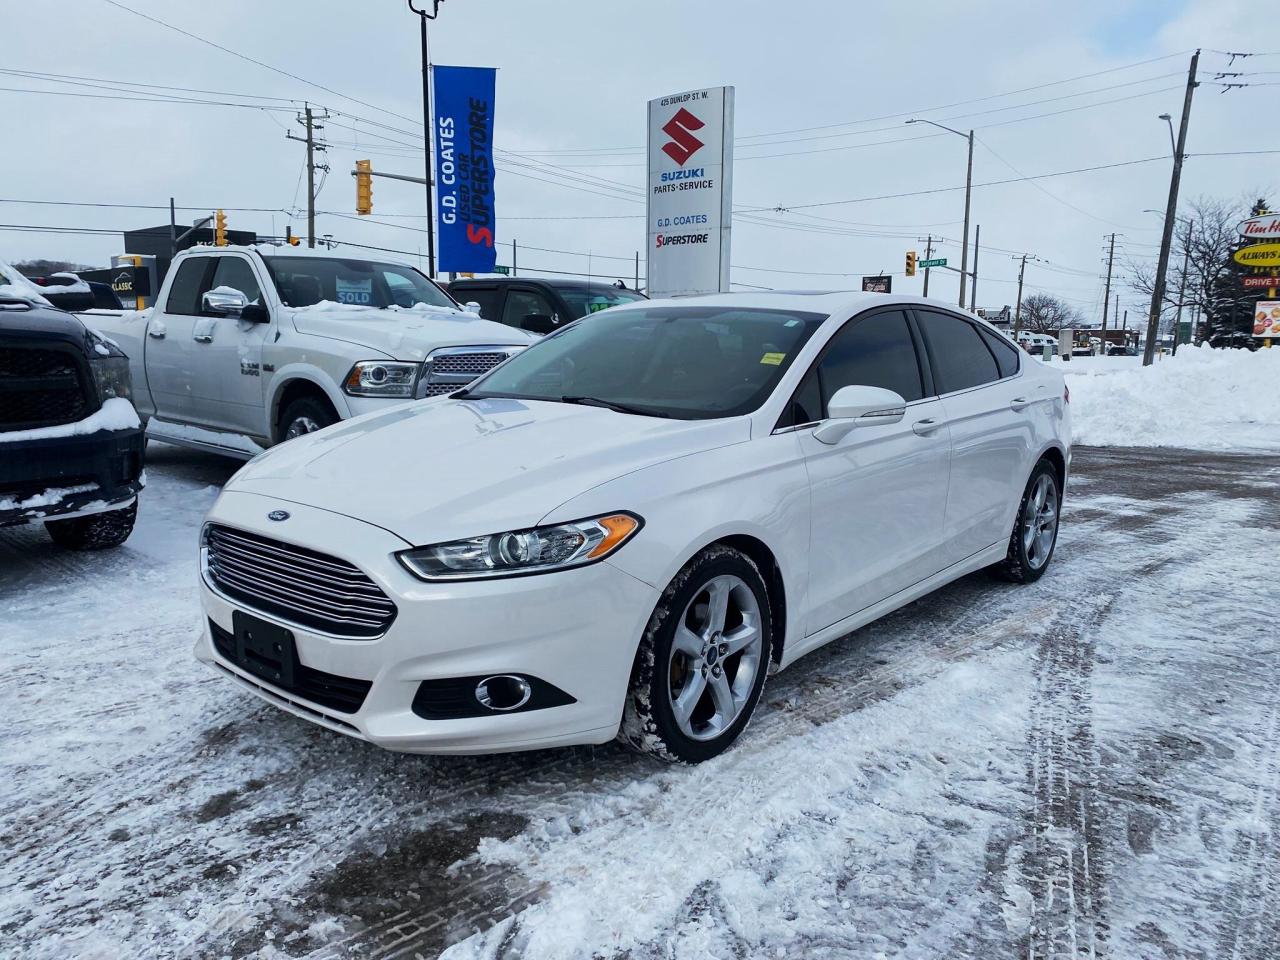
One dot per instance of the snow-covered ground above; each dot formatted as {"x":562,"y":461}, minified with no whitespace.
{"x":1202,"y":399}
{"x":1087,"y":766}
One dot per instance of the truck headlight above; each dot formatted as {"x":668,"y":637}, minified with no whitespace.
{"x":110,"y":369}
{"x":537,"y":550}
{"x":382,"y":378}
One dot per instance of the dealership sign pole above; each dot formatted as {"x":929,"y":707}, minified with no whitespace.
{"x":464,"y":168}
{"x":689,"y":192}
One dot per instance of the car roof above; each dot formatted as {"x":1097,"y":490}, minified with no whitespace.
{"x":570,"y":283}
{"x":808,"y":301}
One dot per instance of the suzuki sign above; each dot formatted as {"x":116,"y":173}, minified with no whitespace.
{"x":690,"y":192}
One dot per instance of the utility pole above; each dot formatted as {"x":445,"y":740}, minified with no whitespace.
{"x":514,"y":264}
{"x":427,"y":130}
{"x":637,"y":271}
{"x":928,"y":255}
{"x":173,"y":230}
{"x":1182,"y":295}
{"x":973,"y":294}
{"x":308,"y":120}
{"x":968,"y":193}
{"x":1017,"y":313}
{"x":1170,"y":218}
{"x":1106,"y":297}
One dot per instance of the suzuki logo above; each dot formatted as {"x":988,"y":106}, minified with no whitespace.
{"x":278,"y":515}
{"x":683,"y":144}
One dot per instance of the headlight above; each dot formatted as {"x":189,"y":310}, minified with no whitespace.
{"x":110,"y":369}
{"x":382,"y":378}
{"x":539,"y":550}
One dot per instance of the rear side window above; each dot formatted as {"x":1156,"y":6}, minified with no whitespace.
{"x":1006,"y":353}
{"x":489,"y":298}
{"x":184,"y":294}
{"x":959,"y":357}
{"x":876,"y":351}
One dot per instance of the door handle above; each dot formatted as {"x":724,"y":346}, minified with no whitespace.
{"x":156,"y":333}
{"x":926,"y":427}
{"x":204,"y":338}
{"x":1019,"y":403}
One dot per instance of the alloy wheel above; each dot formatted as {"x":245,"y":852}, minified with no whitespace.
{"x":715,"y":657}
{"x":1040,"y":521}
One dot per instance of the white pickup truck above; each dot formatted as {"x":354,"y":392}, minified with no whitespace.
{"x":249,"y":346}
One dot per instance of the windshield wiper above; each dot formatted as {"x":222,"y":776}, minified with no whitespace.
{"x":610,"y":405}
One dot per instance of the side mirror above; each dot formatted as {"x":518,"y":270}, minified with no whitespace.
{"x":859,"y":406}
{"x":542,"y":323}
{"x":255,"y":313}
{"x":72,"y":300}
{"x":224,"y":302}
{"x":471,"y":307}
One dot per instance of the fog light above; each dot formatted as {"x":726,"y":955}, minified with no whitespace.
{"x":503,"y":692}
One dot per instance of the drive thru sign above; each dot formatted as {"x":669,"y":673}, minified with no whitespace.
{"x":690,"y":192}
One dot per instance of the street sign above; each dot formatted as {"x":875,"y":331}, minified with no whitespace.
{"x":881,"y":284}
{"x":501,"y":270}
{"x":936,"y":262}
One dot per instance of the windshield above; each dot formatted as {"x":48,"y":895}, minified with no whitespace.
{"x":583,"y":301}
{"x":303,"y":281}
{"x":692,"y":363}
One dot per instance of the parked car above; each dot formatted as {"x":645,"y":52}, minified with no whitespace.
{"x":63,"y":284}
{"x":624,"y":528}
{"x":540,"y":306}
{"x":247,"y":347}
{"x":71,"y":446}
{"x":1036,"y":343}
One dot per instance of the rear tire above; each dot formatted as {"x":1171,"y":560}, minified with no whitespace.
{"x":99,"y":531}
{"x":1035,"y":528}
{"x":702,"y":664}
{"x":304,"y":415}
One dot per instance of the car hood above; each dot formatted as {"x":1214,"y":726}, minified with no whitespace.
{"x":403,"y":334}
{"x":445,"y":469}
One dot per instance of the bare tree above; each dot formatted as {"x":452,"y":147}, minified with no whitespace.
{"x":1042,"y":312}
{"x":42,"y":268}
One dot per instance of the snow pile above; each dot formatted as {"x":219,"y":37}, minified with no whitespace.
{"x":1201,"y":399}
{"x":48,"y":498}
{"x":14,"y":284}
{"x":116,"y":413}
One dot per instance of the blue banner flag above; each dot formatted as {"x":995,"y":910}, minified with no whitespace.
{"x":464,"y":168}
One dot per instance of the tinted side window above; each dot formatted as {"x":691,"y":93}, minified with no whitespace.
{"x":522,"y":303}
{"x":957,"y":353}
{"x":876,"y":351}
{"x":489,"y":298}
{"x":1006,"y":353}
{"x":236,"y":273}
{"x":184,"y":294}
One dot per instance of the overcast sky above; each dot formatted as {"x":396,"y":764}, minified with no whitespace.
{"x":820,"y":87}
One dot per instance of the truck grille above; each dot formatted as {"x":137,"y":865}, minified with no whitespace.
{"x":452,"y":368}
{"x":41,"y":387}
{"x":313,"y":590}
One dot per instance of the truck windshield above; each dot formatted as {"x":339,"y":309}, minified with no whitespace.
{"x":690,"y":363}
{"x":305,"y":281}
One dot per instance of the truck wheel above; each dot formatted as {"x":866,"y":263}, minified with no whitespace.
{"x":305,"y":415}
{"x":701,"y":666}
{"x":96,"y":532}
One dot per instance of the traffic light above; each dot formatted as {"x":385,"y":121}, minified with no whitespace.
{"x":219,"y":229}
{"x":911,"y":263}
{"x":364,"y":187}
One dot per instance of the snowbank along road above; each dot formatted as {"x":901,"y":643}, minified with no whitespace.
{"x":1085,"y":767}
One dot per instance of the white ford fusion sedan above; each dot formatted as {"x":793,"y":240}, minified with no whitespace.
{"x":621,"y":531}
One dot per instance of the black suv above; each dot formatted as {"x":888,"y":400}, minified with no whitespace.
{"x":71,"y":447}
{"x":540,"y":306}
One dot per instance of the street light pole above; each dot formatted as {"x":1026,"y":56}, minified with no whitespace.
{"x":423,"y":17}
{"x":1171,"y":210}
{"x":968,"y":193}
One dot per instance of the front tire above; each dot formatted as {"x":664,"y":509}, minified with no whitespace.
{"x":1035,"y":529}
{"x":98,"y":531}
{"x":305,"y":415}
{"x":701,"y":666}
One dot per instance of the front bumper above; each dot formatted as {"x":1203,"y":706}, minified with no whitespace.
{"x":576,"y":630}
{"x":104,"y":469}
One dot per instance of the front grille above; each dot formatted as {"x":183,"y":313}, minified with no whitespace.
{"x":303,"y":586}
{"x":452,"y":368}
{"x":344,"y":694}
{"x":41,"y":388}
{"x":471,"y":364}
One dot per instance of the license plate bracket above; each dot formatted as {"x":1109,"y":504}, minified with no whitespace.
{"x":264,"y":649}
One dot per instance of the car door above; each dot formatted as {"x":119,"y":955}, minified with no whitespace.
{"x":229,"y":383}
{"x":172,"y":360}
{"x":878,"y":495}
{"x":984,"y":397}
{"x":525,"y":302}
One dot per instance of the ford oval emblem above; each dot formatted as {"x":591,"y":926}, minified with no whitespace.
{"x":278,"y":515}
